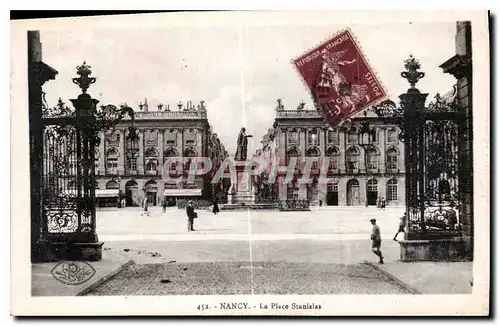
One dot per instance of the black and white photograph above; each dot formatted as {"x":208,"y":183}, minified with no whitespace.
{"x":251,"y":163}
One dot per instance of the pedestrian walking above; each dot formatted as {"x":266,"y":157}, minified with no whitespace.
{"x":124,"y":202}
{"x":402,"y":224}
{"x":191,"y":215}
{"x":145,"y":207}
{"x":376,"y":240}
{"x":216,"y":209}
{"x":164,"y":205}
{"x":382,"y":204}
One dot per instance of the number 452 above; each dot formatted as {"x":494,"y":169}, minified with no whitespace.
{"x":203,"y":307}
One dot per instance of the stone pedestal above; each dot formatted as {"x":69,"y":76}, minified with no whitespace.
{"x":451,"y":249}
{"x":244,"y":189}
{"x":56,"y":251}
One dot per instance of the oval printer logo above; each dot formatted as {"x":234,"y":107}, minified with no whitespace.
{"x":73,"y":272}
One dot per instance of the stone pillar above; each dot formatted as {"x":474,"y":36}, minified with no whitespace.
{"x":161,"y":133}
{"x":140,"y":156}
{"x":342,"y":185}
{"x":460,"y":66}
{"x":383,"y":148}
{"x":121,"y":149}
{"x":362,"y":161}
{"x":38,"y":74}
{"x":342,"y":141}
{"x":362,"y":191}
{"x":102,"y":155}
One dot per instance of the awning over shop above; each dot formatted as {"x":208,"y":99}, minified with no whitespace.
{"x":106,"y":193}
{"x":182,"y":192}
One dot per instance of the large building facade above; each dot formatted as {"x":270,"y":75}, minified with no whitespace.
{"x":163,"y":135}
{"x":360,"y":177}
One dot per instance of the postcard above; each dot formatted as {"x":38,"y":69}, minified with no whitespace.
{"x":251,"y":163}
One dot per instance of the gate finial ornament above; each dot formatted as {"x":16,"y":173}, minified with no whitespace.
{"x":84,"y":81}
{"x":412,"y":74}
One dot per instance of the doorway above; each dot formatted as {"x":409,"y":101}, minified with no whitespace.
{"x":353,"y":192}
{"x":371,"y":192}
{"x":332,"y":195}
{"x":131,"y":193}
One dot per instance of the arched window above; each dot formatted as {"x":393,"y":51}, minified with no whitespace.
{"x":112,"y":184}
{"x":392,"y":190}
{"x":392,"y":159}
{"x":334,"y":155}
{"x":372,"y":160}
{"x":292,"y":152}
{"x":189,"y":153}
{"x":170,"y":152}
{"x":112,"y":161}
{"x":313,"y":151}
{"x":151,"y":165}
{"x":151,"y":156}
{"x":151,"y":152}
{"x":352,"y":159}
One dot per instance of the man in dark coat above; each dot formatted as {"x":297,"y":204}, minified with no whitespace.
{"x":191,"y":215}
{"x":215,"y":210}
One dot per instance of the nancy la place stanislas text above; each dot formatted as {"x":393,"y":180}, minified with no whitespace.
{"x":260,"y":306}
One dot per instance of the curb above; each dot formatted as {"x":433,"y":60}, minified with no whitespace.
{"x":398,"y":281}
{"x":104,"y":278}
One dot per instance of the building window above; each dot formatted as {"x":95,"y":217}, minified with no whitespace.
{"x":352,"y":159}
{"x":392,"y":190}
{"x":312,"y":138}
{"x":293,"y":137}
{"x":392,"y":159}
{"x":372,"y":160}
{"x":151,"y":165}
{"x":132,"y":164}
{"x":190,"y":138}
{"x":171,"y":138}
{"x":112,"y":164}
{"x":372,"y":185}
{"x":332,"y":137}
{"x":112,"y":161}
{"x":292,"y":192}
{"x":333,"y":187}
{"x":352,"y":137}
{"x":334,"y":155}
{"x":392,"y":136}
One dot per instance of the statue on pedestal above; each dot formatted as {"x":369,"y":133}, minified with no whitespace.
{"x":242,"y":146}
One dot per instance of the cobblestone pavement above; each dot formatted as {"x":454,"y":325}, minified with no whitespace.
{"x":230,"y":278}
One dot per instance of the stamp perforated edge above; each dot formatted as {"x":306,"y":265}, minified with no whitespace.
{"x":365,"y":58}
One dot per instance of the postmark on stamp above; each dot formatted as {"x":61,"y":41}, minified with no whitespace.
{"x":73,"y":272}
{"x":339,"y":77}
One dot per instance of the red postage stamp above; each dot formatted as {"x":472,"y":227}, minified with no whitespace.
{"x":339,"y":78}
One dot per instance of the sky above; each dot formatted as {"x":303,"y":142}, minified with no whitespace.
{"x":239,"y":70}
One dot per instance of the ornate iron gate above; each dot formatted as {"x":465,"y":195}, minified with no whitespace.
{"x":68,"y":196}
{"x":431,"y":139}
{"x":68,"y":201}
